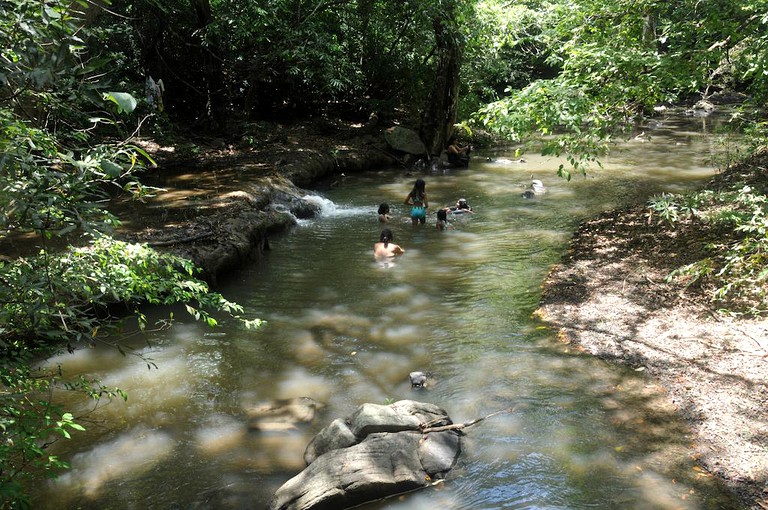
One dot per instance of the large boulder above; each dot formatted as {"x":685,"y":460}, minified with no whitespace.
{"x":378,"y":451}
{"x":405,"y":140}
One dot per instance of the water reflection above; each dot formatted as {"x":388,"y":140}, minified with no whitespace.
{"x":343,"y":329}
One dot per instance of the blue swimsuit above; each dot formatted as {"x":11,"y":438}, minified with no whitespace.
{"x":418,"y":212}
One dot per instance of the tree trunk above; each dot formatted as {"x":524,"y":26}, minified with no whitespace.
{"x":440,"y":111}
{"x":214,"y":103}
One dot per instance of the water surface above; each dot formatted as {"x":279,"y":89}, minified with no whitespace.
{"x":344,"y":329}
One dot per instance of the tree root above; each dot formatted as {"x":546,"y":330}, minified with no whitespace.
{"x":183,"y":240}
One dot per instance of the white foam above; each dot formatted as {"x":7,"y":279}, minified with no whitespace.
{"x":330,"y":209}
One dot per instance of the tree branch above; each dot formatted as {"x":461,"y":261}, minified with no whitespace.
{"x":426,"y":429}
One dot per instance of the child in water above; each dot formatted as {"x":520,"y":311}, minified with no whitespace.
{"x":384,"y":216}
{"x":417,"y":199}
{"x":442,"y":219}
{"x":461,"y":207}
{"x":385,"y":248}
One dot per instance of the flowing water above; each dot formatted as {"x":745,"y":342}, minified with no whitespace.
{"x":344,"y":329}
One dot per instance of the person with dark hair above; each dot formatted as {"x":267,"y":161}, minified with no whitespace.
{"x":385,"y":248}
{"x":457,"y":155}
{"x":417,"y":199}
{"x":384,"y":216}
{"x":442,"y":219}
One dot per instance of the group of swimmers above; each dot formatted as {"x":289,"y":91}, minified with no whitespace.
{"x":417,"y":199}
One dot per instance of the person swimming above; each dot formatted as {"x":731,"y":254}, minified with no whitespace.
{"x":385,"y":248}
{"x":461,"y":207}
{"x":537,"y":188}
{"x":384,"y":216}
{"x":442,"y":219}
{"x":417,"y":199}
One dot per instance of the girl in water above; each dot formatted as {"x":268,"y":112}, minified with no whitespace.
{"x":385,"y":248}
{"x":384,"y":216}
{"x":442,"y":219}
{"x":417,"y":199}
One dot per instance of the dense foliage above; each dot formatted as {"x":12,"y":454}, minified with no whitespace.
{"x":76,"y":86}
{"x":225,"y":62}
{"x":618,"y":60}
{"x":734,"y":268}
{"x":60,"y":161}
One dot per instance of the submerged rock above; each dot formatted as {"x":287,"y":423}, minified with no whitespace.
{"x":378,"y":451}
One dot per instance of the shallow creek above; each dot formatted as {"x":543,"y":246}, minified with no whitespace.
{"x":343,"y":330}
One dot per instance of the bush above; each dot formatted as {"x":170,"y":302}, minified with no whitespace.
{"x":737,"y":267}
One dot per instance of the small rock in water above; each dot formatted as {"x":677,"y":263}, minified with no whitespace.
{"x":418,"y":379}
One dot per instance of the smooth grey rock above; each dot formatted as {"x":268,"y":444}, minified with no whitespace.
{"x":333,"y":437}
{"x":418,"y":379}
{"x":390,"y":455}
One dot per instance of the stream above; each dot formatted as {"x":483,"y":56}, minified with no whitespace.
{"x":343,"y":329}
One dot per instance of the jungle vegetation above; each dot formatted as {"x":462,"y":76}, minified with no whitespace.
{"x":74,"y":97}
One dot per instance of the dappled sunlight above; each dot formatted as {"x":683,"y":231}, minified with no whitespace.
{"x":659,"y":492}
{"x":343,"y":330}
{"x":208,"y":364}
{"x":265,"y":453}
{"x":219,"y":434}
{"x":297,"y":382}
{"x":396,"y":334}
{"x":389,"y":370}
{"x":339,"y":320}
{"x":85,"y":359}
{"x":127,"y":456}
{"x":151,"y":389}
{"x":306,"y":348}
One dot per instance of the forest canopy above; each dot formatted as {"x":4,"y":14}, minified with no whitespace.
{"x":80,"y":81}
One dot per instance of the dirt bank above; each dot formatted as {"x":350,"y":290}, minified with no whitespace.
{"x":609,"y":297}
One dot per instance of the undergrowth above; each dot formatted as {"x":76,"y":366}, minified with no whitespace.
{"x":736,"y":266}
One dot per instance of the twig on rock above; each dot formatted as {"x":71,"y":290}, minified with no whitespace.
{"x":425,"y":428}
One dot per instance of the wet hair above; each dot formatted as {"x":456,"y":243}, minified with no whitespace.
{"x":383,"y":208}
{"x":386,"y":236}
{"x":442,"y":215}
{"x":462,"y":204}
{"x":419,"y":188}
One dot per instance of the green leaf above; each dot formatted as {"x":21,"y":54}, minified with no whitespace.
{"x":111,"y":169}
{"x":125,"y":102}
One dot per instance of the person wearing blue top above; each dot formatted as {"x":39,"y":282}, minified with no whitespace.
{"x":417,"y":199}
